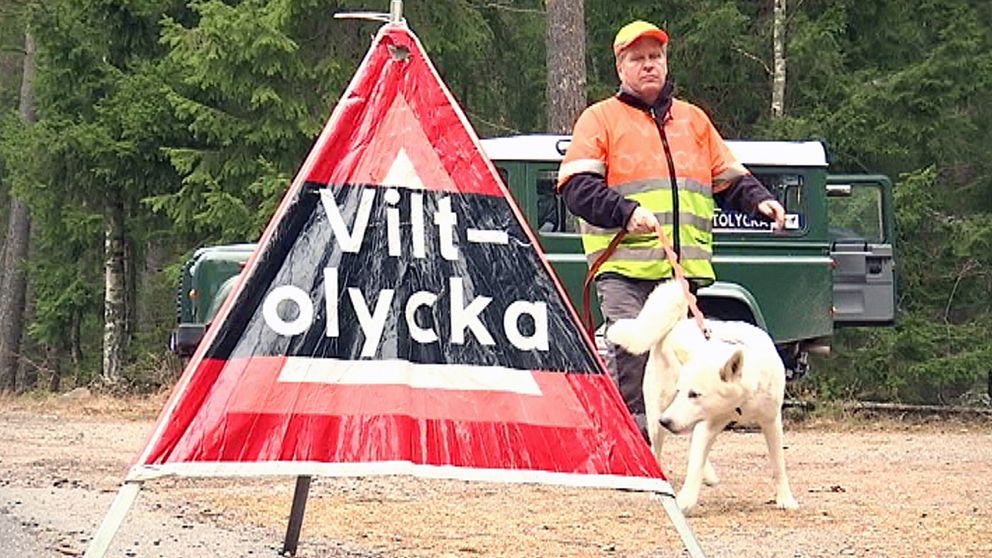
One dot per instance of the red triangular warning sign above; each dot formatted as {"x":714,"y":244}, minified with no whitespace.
{"x":399,"y":317}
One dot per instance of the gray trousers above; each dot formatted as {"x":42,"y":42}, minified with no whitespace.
{"x":619,"y":298}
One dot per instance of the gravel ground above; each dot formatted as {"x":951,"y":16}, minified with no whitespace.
{"x":867,"y":489}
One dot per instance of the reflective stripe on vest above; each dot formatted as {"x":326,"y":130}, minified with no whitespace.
{"x":571,"y":168}
{"x":638,"y":255}
{"x":643,"y":257}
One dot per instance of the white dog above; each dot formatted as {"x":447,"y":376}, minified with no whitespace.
{"x":691,"y":383}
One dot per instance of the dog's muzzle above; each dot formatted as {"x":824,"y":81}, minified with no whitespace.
{"x":669,"y":425}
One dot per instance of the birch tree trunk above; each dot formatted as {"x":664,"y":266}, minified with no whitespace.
{"x":565,"y":59}
{"x":114,"y":297}
{"x":778,"y":48}
{"x":14,"y":283}
{"x":131,"y":290}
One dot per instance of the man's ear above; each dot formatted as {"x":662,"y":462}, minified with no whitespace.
{"x":731,"y":371}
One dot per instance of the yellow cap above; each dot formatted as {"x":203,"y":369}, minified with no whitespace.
{"x":635,"y":30}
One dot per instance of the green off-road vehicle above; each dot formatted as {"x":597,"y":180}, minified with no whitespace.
{"x":832,"y":265}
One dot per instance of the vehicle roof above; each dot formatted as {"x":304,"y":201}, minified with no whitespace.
{"x":223,"y":250}
{"x":548,"y":147}
{"x":223,"y":253}
{"x":220,"y":253}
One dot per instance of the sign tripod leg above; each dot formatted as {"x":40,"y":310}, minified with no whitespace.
{"x":681,"y":526}
{"x":125,"y":498}
{"x":296,"y":516}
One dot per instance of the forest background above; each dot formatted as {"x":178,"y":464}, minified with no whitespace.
{"x":134,"y":131}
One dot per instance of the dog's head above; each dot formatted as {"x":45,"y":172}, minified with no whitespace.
{"x":709,"y":386}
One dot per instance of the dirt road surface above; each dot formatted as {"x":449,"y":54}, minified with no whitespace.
{"x":866,"y":489}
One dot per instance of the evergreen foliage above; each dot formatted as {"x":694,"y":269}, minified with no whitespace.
{"x":195,"y":114}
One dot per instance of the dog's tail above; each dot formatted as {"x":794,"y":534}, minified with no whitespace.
{"x":665,"y":307}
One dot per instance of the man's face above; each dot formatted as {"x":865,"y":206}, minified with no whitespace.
{"x":643,"y":67}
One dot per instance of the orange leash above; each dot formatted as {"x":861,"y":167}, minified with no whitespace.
{"x":586,"y":310}
{"x":680,"y":277}
{"x":676,"y":267}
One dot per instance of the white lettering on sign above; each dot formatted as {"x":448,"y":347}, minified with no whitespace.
{"x":482,"y":236}
{"x":393,"y":222}
{"x":349,"y":241}
{"x":417,"y":300}
{"x":372,"y":322}
{"x":417,"y":225}
{"x":289,"y":293}
{"x":330,"y":300}
{"x":538,"y":311}
{"x":445,"y":219}
{"x":465,"y":316}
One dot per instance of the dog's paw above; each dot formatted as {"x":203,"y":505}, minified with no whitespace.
{"x":686,"y":502}
{"x":786,"y":503}
{"x":709,"y":475}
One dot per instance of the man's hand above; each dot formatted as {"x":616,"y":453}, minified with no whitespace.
{"x":775,"y":212}
{"x":642,"y":221}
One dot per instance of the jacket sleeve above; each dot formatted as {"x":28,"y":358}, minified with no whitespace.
{"x":588,"y":196}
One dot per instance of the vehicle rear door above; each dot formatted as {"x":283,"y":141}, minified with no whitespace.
{"x":862,"y":236}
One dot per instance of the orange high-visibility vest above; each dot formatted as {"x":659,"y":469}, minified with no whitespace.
{"x":623,"y":144}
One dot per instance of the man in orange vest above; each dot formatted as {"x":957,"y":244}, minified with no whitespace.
{"x":641,"y":159}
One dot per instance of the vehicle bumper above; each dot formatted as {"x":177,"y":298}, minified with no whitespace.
{"x":185,"y":339}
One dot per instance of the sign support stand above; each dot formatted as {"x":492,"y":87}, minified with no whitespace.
{"x":128,"y":494}
{"x":296,"y":516}
{"x":125,"y":498}
{"x":681,"y":526}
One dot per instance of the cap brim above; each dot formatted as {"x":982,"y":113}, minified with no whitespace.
{"x":657,"y":34}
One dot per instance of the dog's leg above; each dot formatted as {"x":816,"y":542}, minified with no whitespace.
{"x":703,"y":435}
{"x":656,"y":433}
{"x":776,"y":456}
{"x":658,"y":390}
{"x":709,"y":474}
{"x":652,"y":413}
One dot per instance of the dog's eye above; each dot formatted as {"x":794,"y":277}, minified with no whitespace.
{"x":693,"y":394}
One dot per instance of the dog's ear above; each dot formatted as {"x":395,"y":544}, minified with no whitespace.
{"x":731,"y":370}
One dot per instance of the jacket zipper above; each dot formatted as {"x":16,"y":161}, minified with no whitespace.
{"x":675,"y":187}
